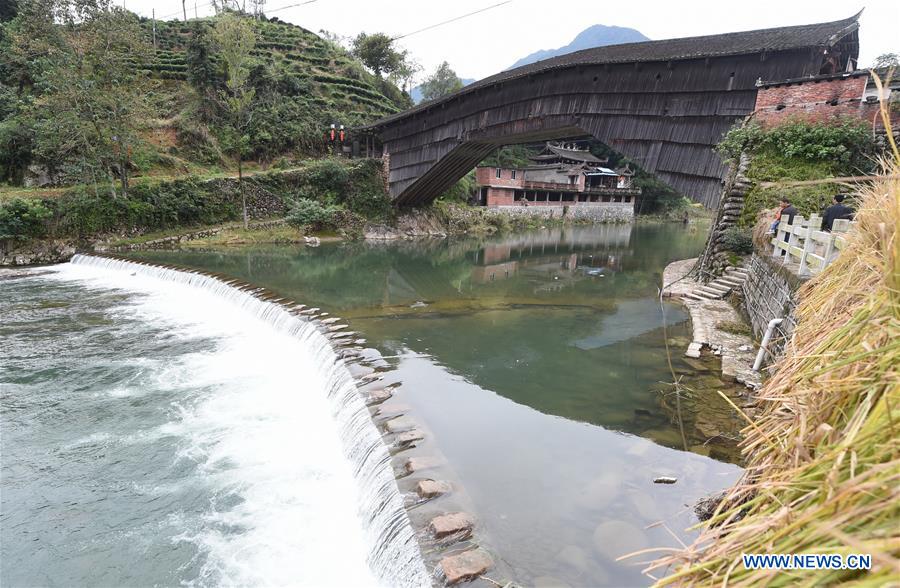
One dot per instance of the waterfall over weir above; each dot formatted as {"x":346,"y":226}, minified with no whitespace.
{"x":393,"y":554}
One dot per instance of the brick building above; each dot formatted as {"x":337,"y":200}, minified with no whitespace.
{"x":824,"y":97}
{"x":561,"y":175}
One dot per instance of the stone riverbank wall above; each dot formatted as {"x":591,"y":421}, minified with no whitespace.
{"x":61,"y":250}
{"x":714,"y":259}
{"x":770,"y":292}
{"x":609,"y":212}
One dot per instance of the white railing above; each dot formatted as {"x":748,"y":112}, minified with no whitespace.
{"x":810,"y":248}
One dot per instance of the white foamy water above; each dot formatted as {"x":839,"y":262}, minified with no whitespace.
{"x":282,"y":437}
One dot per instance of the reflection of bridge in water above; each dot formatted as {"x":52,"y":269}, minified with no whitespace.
{"x":546,"y":260}
{"x":556,"y":258}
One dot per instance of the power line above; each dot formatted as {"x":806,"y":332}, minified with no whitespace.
{"x":429,"y":27}
{"x":290,"y":6}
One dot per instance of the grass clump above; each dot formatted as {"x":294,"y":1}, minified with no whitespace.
{"x":735,"y":328}
{"x":737,"y":240}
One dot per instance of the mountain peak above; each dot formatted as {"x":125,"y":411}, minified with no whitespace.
{"x":597,"y":35}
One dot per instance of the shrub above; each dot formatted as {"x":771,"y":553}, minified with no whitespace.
{"x":462,"y":191}
{"x":366,"y":194}
{"x":22,"y":219}
{"x":329,"y":178}
{"x":846,"y":142}
{"x":737,"y":240}
{"x":306,"y":213}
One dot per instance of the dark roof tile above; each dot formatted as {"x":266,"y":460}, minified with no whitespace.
{"x":740,"y":43}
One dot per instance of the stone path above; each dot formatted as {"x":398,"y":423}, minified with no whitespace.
{"x":707,"y":313}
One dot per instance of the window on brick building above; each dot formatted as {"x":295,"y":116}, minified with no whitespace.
{"x":498,"y":172}
{"x":513,"y":174}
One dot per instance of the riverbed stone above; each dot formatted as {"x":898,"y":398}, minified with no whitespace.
{"x":410,"y":436}
{"x":693,"y":350}
{"x":600,"y":492}
{"x":459,"y":524}
{"x":416,"y":464}
{"x":645,"y":506}
{"x":378,"y":395}
{"x":613,"y":539}
{"x":432,"y":488}
{"x":574,"y":557}
{"x":400,"y":424}
{"x":466,"y":566}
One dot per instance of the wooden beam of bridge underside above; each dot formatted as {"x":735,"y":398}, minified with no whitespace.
{"x":666,"y":114}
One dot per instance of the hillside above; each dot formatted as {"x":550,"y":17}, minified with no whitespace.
{"x":301,"y":83}
{"x":594,"y":36}
{"x":333,"y":79}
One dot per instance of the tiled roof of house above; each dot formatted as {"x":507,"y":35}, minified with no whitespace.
{"x":582,"y":155}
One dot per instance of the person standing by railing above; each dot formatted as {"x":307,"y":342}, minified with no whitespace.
{"x":784,"y":208}
{"x":838,"y":210}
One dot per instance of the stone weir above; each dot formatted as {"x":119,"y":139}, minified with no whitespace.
{"x":414,"y":510}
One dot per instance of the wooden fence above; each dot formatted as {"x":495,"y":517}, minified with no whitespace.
{"x":802,"y":243}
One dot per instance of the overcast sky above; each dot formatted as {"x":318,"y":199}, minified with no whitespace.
{"x":491,"y":41}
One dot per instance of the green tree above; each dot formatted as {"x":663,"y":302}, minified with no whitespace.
{"x":377,"y":52}
{"x":442,"y":82}
{"x":201,"y":71}
{"x":886,"y":60}
{"x":236,"y":40}
{"x":403,"y":75}
{"x":8,"y":10}
{"x":89,"y":97}
{"x":16,"y":134}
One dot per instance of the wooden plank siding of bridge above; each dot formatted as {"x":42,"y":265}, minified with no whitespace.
{"x":664,"y":104}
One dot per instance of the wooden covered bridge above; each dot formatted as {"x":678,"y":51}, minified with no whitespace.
{"x":664,"y":104}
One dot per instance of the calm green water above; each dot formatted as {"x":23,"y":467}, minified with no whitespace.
{"x":536,"y":364}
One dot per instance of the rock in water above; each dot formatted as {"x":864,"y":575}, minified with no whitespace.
{"x":414,"y":464}
{"x":410,"y":436}
{"x":378,"y":396}
{"x":664,"y":480}
{"x":454,"y":523}
{"x":400,"y":424}
{"x":432,"y":488}
{"x":574,"y":557}
{"x":466,"y":566}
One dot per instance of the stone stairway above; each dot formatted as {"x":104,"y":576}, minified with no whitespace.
{"x":721,"y":286}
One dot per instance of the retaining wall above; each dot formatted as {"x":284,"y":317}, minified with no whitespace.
{"x":769,"y":293}
{"x":606,"y":212}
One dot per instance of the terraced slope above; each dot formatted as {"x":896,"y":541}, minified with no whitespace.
{"x":327,"y":75}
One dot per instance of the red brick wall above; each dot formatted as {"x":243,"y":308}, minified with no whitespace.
{"x":500,"y":197}
{"x":814,"y":101}
{"x":487,"y":176}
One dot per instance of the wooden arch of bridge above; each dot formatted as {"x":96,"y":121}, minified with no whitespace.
{"x":664,"y":104}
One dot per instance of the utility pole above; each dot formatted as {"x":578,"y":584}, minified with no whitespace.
{"x":154,"y":30}
{"x":184,"y":9}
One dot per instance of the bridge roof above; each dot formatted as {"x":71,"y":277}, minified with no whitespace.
{"x":741,"y":43}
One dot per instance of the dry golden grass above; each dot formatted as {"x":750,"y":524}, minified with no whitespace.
{"x":823,"y":454}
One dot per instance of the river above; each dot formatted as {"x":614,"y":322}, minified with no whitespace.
{"x":535,"y":364}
